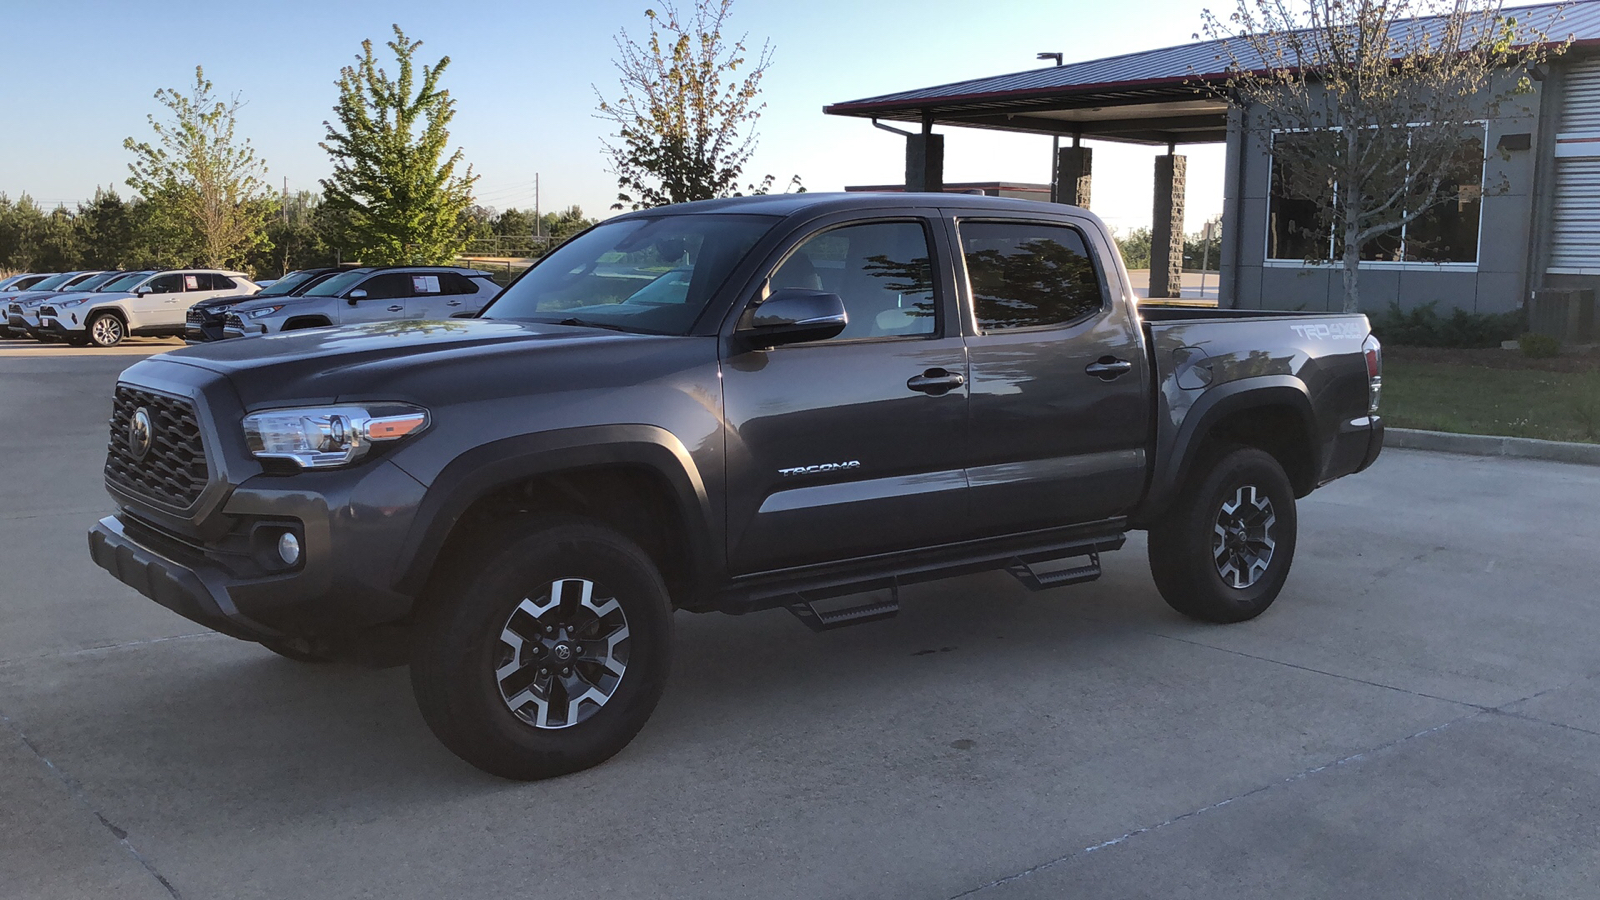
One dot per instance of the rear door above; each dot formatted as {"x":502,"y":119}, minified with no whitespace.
{"x":851,"y":446}
{"x":1060,"y":408}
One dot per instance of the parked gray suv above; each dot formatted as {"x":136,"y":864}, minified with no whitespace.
{"x":371,"y":294}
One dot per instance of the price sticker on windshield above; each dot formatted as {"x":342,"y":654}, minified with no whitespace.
{"x":425,"y":284}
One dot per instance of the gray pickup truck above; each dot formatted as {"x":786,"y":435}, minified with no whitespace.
{"x":796,"y":402}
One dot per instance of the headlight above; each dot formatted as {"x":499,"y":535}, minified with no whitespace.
{"x":329,"y":436}
{"x":68,"y":303}
{"x":263,"y":311}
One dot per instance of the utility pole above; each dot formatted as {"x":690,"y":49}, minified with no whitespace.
{"x":285,"y":203}
{"x":538,"y":220}
{"x":1055,"y":141}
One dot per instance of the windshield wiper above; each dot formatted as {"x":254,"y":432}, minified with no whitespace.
{"x":587,"y":323}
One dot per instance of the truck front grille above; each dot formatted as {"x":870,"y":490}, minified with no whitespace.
{"x":172,"y":471}
{"x":194,"y":316}
{"x":48,"y":311}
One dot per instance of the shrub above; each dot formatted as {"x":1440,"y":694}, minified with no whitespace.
{"x":1424,"y":327}
{"x":1539,"y":346}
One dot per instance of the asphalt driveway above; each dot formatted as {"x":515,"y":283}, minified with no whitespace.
{"x":1418,"y":716}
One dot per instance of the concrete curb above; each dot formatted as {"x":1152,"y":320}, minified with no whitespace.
{"x":1492,"y":445}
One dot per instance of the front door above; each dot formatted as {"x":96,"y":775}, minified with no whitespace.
{"x":155,"y":306}
{"x":853,"y":445}
{"x":1060,"y":408}
{"x":388,"y":296}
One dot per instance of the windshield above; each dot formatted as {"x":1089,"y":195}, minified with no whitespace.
{"x":338,"y":284}
{"x":55,"y":281}
{"x":286,"y":284}
{"x":94,"y":283}
{"x":125,"y":282}
{"x":647,"y":275}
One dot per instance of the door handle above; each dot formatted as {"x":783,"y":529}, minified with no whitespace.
{"x":936,"y":382}
{"x":1107,"y":368}
{"x":452,"y":303}
{"x":396,"y":308}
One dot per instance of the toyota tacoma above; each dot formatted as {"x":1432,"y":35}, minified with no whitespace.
{"x":799,"y":402}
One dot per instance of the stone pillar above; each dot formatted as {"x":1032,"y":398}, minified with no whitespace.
{"x":925,"y":163}
{"x":1073,"y":168}
{"x":1166,"y":227}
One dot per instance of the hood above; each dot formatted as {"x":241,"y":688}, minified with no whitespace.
{"x":320,"y":364}
{"x":224,"y":302}
{"x":54,"y":297}
{"x":26,"y":297}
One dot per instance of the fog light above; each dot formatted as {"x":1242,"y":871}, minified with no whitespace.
{"x":289,"y":548}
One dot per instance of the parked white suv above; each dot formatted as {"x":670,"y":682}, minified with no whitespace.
{"x":372,"y":294}
{"x":155,"y":307}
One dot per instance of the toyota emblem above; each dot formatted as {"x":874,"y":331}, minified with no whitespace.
{"x":140,"y":434}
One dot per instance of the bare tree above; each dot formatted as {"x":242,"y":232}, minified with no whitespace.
{"x":1369,"y":103}
{"x":685,"y":118}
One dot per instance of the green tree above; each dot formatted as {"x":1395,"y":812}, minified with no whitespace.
{"x":685,"y":118}
{"x":564,"y":224}
{"x":1135,"y":248}
{"x":207,"y":187}
{"x":297,"y":238}
{"x":402,"y":198}
{"x":108,"y":231}
{"x":22,"y":226}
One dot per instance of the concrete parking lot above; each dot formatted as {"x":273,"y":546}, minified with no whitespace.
{"x":1418,"y":716}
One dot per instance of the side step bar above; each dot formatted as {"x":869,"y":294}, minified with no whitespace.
{"x":820,"y":620}
{"x":1034,"y":580}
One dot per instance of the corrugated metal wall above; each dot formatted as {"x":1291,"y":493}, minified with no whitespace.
{"x":1575,"y":224}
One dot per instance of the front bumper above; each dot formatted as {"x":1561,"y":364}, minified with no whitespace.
{"x":226,"y":576}
{"x":198,"y":593}
{"x":20,"y":324}
{"x":54,"y":327}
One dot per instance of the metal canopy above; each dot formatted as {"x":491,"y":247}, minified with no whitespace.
{"x":1152,"y":97}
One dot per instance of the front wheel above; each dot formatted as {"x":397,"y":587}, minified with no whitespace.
{"x":545,"y":651}
{"x":1222,"y":553}
{"x":106,"y":330}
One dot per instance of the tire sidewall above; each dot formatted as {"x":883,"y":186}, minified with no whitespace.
{"x":459,"y":637}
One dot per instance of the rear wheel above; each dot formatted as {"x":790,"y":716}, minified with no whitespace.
{"x":545,"y":651}
{"x":106,"y":330}
{"x":1222,"y":553}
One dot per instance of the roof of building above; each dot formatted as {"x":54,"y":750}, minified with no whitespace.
{"x":1162,"y":80}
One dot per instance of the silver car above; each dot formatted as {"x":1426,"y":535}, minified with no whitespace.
{"x":372,"y":294}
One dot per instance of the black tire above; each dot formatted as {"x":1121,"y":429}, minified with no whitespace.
{"x":297,"y":650}
{"x":461,"y":652}
{"x":105,"y":329}
{"x":1234,"y":575}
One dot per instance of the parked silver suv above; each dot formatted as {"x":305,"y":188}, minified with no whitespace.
{"x":372,"y":294}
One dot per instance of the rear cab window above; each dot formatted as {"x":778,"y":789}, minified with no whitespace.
{"x":1029,"y":274}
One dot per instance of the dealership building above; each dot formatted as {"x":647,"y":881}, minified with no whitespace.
{"x":1531,"y":224}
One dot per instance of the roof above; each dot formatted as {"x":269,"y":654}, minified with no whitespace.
{"x":820,"y":202}
{"x":1073,"y":98}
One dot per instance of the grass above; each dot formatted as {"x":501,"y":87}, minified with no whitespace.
{"x":1437,"y":396}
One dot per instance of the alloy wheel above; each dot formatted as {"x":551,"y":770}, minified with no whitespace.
{"x":107,"y":330}
{"x":562,"y":654}
{"x":1242,"y":543}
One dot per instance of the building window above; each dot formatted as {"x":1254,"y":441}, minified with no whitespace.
{"x":1445,"y":233}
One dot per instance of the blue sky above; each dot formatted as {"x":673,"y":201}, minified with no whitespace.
{"x":78,"y":78}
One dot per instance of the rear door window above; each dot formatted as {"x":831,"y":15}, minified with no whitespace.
{"x":1029,"y":274}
